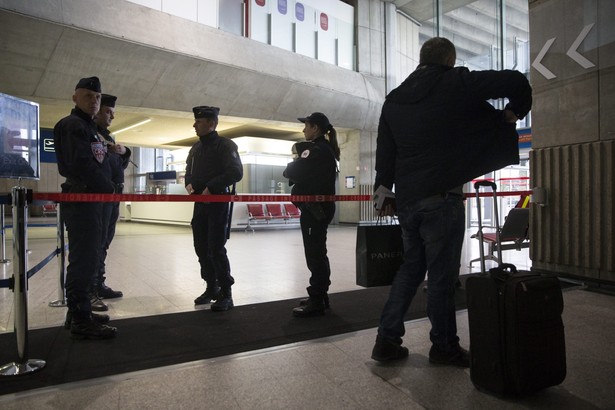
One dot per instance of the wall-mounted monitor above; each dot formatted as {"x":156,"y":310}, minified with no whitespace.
{"x":19,"y":138}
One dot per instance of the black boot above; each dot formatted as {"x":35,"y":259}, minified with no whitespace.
{"x":315,"y":306}
{"x":105,"y":292}
{"x":211,"y":293}
{"x":102,"y":319}
{"x":87,"y":328}
{"x":386,"y":350}
{"x":97,"y":304}
{"x":303,"y":302}
{"x":224,"y":301}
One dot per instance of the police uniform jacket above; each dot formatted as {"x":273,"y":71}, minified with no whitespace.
{"x":438,"y":131}
{"x":213,"y":163}
{"x":315,"y":169}
{"x":118,"y":162}
{"x":82,"y":155}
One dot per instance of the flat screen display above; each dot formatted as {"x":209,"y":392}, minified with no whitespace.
{"x":19,"y":138}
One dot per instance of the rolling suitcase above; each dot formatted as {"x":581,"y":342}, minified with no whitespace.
{"x":517,"y":344}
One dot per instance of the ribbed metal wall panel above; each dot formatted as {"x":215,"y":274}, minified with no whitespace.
{"x":367,"y":207}
{"x":574,"y":231}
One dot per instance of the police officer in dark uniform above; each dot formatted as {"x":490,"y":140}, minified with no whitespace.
{"x":314,"y":172}
{"x":213,"y":164}
{"x":119,"y":158}
{"x":83,"y":160}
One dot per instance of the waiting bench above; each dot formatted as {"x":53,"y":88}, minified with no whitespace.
{"x":270,"y":213}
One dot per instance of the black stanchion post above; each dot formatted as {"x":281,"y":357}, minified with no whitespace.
{"x":20,"y":288}
{"x":61,"y":249}
{"x":2,"y":237}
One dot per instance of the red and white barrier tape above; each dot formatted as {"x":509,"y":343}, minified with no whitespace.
{"x":57,"y":197}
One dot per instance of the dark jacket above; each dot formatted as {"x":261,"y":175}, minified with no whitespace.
{"x":118,"y":162}
{"x":437,"y":131}
{"x":213,"y":163}
{"x":315,"y":169}
{"x":82,"y":157}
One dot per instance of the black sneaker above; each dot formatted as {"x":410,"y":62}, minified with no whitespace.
{"x":386,"y":350}
{"x":105,"y":292}
{"x":97,"y":304}
{"x":312,"y":307}
{"x":102,"y":319}
{"x":210,"y":294}
{"x":459,"y":357}
{"x":89,"y":329}
{"x":224,"y":302}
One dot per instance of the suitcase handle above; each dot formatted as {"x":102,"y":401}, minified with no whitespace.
{"x":503,"y":271}
{"x":491,"y":184}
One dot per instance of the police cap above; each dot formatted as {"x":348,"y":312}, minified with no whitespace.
{"x":319,"y":119}
{"x":90,"y":83}
{"x":108,"y":100}
{"x":204,"y":111}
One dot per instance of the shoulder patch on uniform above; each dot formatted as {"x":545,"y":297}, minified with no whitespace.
{"x":305,"y":153}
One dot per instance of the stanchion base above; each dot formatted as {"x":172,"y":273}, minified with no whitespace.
{"x":17,"y":369}
{"x":57,"y":303}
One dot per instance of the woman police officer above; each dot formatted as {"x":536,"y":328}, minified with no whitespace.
{"x":314,"y":173}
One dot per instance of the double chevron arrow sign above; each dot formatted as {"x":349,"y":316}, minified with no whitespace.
{"x":572,"y":53}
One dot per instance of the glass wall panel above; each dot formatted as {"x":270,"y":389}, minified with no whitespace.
{"x":305,"y":27}
{"x":517,"y":45}
{"x":282,"y":24}
{"x":345,"y":40}
{"x":259,"y":21}
{"x":327,"y":29}
{"x":230,"y":16}
{"x":474,"y":29}
{"x":267,"y":179}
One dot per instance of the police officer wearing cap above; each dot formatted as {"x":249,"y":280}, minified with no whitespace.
{"x":314,"y":172}
{"x":212,"y":165}
{"x":119,"y":157}
{"x":82,"y":158}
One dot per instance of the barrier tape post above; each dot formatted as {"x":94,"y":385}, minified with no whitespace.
{"x":20,"y":289}
{"x":61,"y":250}
{"x":2,"y":237}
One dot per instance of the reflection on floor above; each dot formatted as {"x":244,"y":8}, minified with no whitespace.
{"x":156,"y":268}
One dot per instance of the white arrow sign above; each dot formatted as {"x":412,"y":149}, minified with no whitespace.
{"x":574,"y":54}
{"x":538,"y":66}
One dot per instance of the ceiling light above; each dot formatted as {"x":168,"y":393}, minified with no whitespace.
{"x":132,"y":126}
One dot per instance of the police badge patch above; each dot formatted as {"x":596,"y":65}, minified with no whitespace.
{"x":98,"y":150}
{"x":305,"y":153}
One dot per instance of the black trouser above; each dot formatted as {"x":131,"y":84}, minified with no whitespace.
{"x":84,"y":226}
{"x":110,"y":215}
{"x":209,"y":225}
{"x":314,"y":230}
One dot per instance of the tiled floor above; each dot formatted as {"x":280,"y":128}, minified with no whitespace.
{"x":155,"y":267}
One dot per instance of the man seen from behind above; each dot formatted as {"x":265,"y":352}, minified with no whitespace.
{"x":438,"y":131}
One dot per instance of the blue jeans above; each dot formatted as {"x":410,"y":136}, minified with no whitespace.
{"x":433,"y":232}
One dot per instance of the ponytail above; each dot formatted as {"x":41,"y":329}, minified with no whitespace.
{"x":332,"y":136}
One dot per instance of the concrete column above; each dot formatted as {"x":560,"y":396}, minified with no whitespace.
{"x":572,"y":51}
